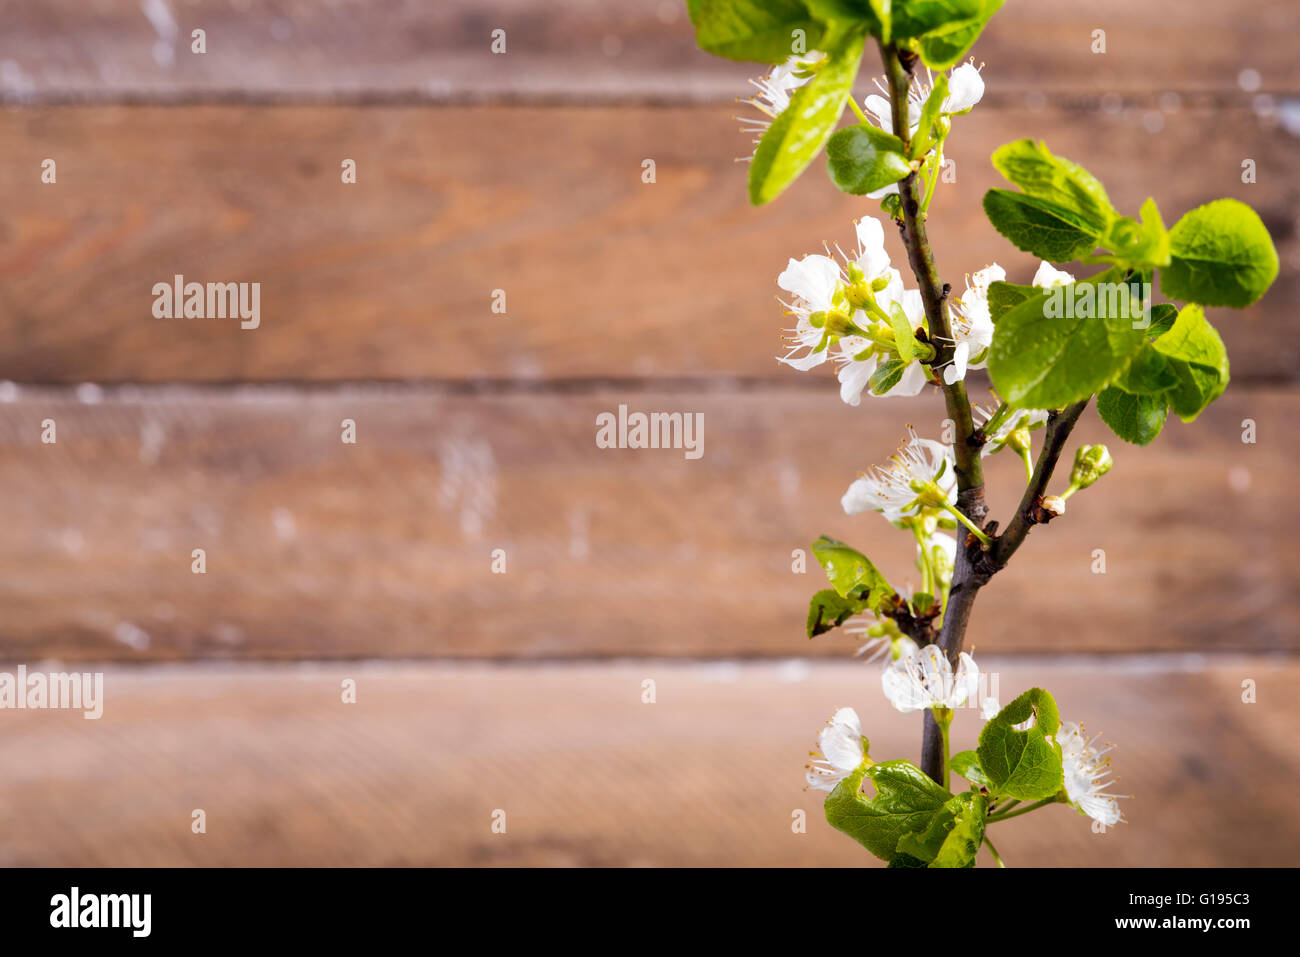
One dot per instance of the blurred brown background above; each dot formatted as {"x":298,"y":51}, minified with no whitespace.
{"x":475,"y":432}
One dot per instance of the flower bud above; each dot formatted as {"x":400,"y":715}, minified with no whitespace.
{"x":1054,"y":504}
{"x":838,"y":324}
{"x":1091,"y":462}
{"x":1018,"y":441}
{"x":858,"y":295}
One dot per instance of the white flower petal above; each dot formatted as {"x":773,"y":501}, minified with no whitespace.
{"x":841,"y":740}
{"x":1049,"y":276}
{"x":955,"y":371}
{"x":813,"y":279}
{"x":878,"y":108}
{"x":965,"y":89}
{"x":872,"y":257}
{"x":854,"y":376}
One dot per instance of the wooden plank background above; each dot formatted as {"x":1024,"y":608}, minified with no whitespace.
{"x":523,"y":172}
{"x":710,"y":774}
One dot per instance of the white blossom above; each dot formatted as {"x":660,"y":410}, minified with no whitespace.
{"x":1087,"y":774}
{"x":855,"y":373}
{"x":972,"y":324}
{"x":774,"y":91}
{"x":841,"y":752}
{"x":812,"y":281}
{"x":996,"y":440}
{"x":925,"y":679}
{"x":888,"y":488}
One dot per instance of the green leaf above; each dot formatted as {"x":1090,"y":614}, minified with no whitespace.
{"x":1221,"y":255}
{"x":849,"y":570}
{"x":1004,"y":295}
{"x":1197,"y":356}
{"x":798,"y":134}
{"x":953,"y":835}
{"x":1057,"y":180}
{"x":858,"y":11}
{"x":945,"y":44}
{"x":762,"y":30}
{"x":906,"y":860}
{"x":863,"y":159}
{"x":1142,"y":243}
{"x":1041,"y":359}
{"x":913,"y":18}
{"x":904,"y":334}
{"x":1038,"y":226}
{"x":967,"y":764}
{"x":905,"y":801}
{"x":1024,"y":765}
{"x":887,"y":375}
{"x":1162,"y":319}
{"x":1134,"y":418}
{"x":1150,"y":373}
{"x":926,"y":132}
{"x":828,"y":610}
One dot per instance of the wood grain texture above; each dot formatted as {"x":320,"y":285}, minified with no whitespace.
{"x":576,"y":49}
{"x":318,"y":549}
{"x":710,"y":774}
{"x":604,"y":275}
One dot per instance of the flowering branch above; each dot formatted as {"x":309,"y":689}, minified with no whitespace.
{"x":1031,"y":511}
{"x":966,"y":452}
{"x":1049,"y":348}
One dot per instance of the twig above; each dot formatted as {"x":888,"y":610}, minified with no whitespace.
{"x":966,"y":451}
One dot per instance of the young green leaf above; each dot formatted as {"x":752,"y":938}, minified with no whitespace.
{"x":1062,"y":345}
{"x":1197,"y":356}
{"x":1163,"y":317}
{"x":904,"y":334}
{"x":762,"y":30}
{"x":863,"y":159}
{"x":798,"y":134}
{"x":967,"y":764}
{"x":953,"y":835}
{"x":851,"y":573}
{"x":1144,"y":243}
{"x":828,"y":610}
{"x":1222,"y":255}
{"x":1150,"y":373}
{"x":887,"y":375}
{"x":1037,"y":226}
{"x":853,"y":11}
{"x":1025,"y":765}
{"x":1063,"y":183}
{"x":954,"y":31}
{"x":905,"y":801}
{"x":927,"y":128}
{"x":1004,"y":295}
{"x":1134,"y":418}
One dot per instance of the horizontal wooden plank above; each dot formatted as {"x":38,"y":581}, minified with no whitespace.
{"x":579,"y":49}
{"x":586,"y":774}
{"x":385,"y":548}
{"x":603,"y":275}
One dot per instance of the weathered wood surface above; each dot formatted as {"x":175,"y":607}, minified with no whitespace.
{"x":589,"y":49}
{"x":319,"y":549}
{"x":710,"y":774}
{"x":604,"y":275}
